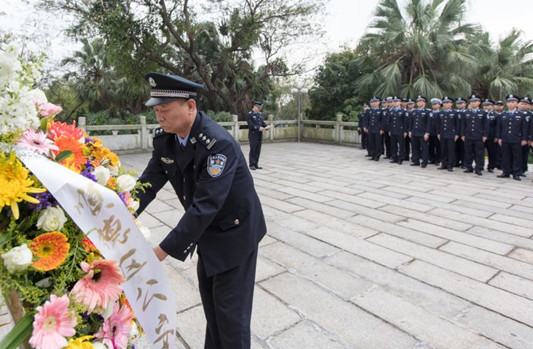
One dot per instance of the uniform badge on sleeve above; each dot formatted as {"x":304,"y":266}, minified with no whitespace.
{"x":215,"y":165}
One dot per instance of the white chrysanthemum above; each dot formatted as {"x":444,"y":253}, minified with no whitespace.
{"x":9,"y":66}
{"x":38,"y":95}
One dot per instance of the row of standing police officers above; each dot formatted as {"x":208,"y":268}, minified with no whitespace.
{"x":451,"y":137}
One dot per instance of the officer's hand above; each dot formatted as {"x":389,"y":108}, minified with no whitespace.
{"x":381,"y":132}
{"x":390,"y":133}
{"x":438,"y":136}
{"x":523,"y":143}
{"x":426,"y":137}
{"x":463,"y":138}
{"x":261,"y":129}
{"x":500,"y":142}
{"x":484,"y":139}
{"x":366,"y":130}
{"x":495,"y":140}
{"x":455,"y":138}
{"x":405,"y":135}
{"x":160,"y":254}
{"x":410,"y":134}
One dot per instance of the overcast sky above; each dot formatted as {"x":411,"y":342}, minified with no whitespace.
{"x":345,"y":22}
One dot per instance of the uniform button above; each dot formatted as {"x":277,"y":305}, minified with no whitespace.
{"x":236,"y":222}
{"x":184,"y":197}
{"x":184,"y":251}
{"x":166,"y":171}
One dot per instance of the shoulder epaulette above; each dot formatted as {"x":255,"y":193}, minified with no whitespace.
{"x":159,"y":132}
{"x":206,"y":140}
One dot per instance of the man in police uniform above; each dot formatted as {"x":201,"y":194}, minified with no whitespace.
{"x":373,"y":125}
{"x":460,"y":103}
{"x":512,"y":134}
{"x":474,"y":135}
{"x":409,"y":107}
{"x":491,"y":143}
{"x":419,"y":132}
{"x":433,"y":143}
{"x":498,"y":112}
{"x":523,"y":107}
{"x":223,"y":216}
{"x":256,"y":127}
{"x":397,"y":131}
{"x":447,"y":133}
{"x":386,"y":110}
{"x":364,"y":135}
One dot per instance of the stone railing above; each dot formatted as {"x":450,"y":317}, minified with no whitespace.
{"x":139,"y":136}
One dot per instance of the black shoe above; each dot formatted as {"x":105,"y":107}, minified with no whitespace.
{"x":468,"y":171}
{"x":424,"y":165}
{"x":450,"y":170}
{"x":414,"y":164}
{"x":376,"y":159}
{"x":490,"y":170}
{"x":523,"y":174}
{"x":400,"y":162}
{"x":259,"y":168}
{"x":392,"y":161}
{"x":441,"y":168}
{"x":367,"y":156}
{"x":252,"y":168}
{"x":517,"y":178}
{"x":386,"y":157}
{"x":370,"y":158}
{"x":479,"y":173}
{"x":503,"y":175}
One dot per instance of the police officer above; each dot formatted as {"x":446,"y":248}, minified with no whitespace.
{"x":386,"y":110}
{"x":256,"y":127}
{"x":460,"y":103}
{"x":397,"y":131}
{"x":511,"y":131}
{"x":409,"y":107}
{"x":491,"y":144}
{"x":419,"y":132}
{"x":364,"y":135}
{"x":474,"y":135}
{"x":373,"y":125}
{"x":448,"y":133}
{"x":433,"y":143}
{"x":498,"y":112}
{"x":223,"y":216}
{"x":523,"y":107}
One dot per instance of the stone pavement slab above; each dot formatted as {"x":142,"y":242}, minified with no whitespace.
{"x":365,"y":254}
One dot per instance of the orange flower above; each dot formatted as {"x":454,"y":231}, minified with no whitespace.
{"x":77,"y":159}
{"x":58,"y":129}
{"x":52,"y":249}
{"x":88,"y":245}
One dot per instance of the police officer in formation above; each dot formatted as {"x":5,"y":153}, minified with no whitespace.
{"x":462,"y":134}
{"x":256,"y":127}
{"x":387,"y":109}
{"x":364,"y":135}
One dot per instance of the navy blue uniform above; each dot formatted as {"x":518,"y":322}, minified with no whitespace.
{"x":491,"y":144}
{"x":255,"y":122}
{"x":386,"y":137}
{"x":473,"y":129}
{"x":408,"y":115}
{"x":525,"y":148}
{"x":364,"y":135}
{"x":460,"y":144}
{"x":397,"y":127}
{"x":512,"y":129}
{"x":448,"y":130}
{"x":374,"y":124}
{"x":419,"y":127}
{"x":223,"y":218}
{"x":434,"y":148}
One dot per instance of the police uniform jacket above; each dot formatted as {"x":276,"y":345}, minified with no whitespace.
{"x":255,"y":122}
{"x":511,"y":127}
{"x":396,"y":121}
{"x":433,"y":122}
{"x":420,"y":122}
{"x":473,"y":124}
{"x":447,"y":124}
{"x":492,"y":119}
{"x":361,"y":122}
{"x":223,"y":215}
{"x":374,"y":120}
{"x":386,"y":113}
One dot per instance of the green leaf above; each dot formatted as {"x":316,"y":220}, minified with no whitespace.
{"x":44,"y":125}
{"x":18,"y":334}
{"x":63,"y":155}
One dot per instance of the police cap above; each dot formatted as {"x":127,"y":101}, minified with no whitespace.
{"x":166,"y":88}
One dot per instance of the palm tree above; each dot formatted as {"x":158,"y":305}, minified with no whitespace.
{"x":425,"y":49}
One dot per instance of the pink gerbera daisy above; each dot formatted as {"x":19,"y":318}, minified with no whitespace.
{"x":37,"y":142}
{"x":116,"y":329}
{"x":52,"y":323}
{"x":100,"y":286}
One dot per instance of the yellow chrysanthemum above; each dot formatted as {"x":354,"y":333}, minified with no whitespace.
{"x":51,"y":248}
{"x":15,"y":184}
{"x":80,"y":343}
{"x":103,"y":155}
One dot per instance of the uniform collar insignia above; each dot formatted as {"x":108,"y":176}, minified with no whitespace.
{"x":167,"y":161}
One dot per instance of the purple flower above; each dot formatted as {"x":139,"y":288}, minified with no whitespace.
{"x":45,"y":200}
{"x":87,"y":173}
{"x":123,"y":198}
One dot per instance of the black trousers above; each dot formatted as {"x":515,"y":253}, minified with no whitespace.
{"x":397,"y":147}
{"x":447,"y":147}
{"x":255,"y":149}
{"x":434,"y":149}
{"x":420,"y":150}
{"x":474,"y":149}
{"x":525,"y":157}
{"x":459,"y":152}
{"x":511,"y":158}
{"x":375,"y":145}
{"x":364,"y":140}
{"x":498,"y":156}
{"x":227,"y":301}
{"x":407,"y":142}
{"x":387,"y":143}
{"x":492,"y":151}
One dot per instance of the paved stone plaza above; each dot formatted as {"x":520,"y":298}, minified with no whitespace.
{"x":364,"y":254}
